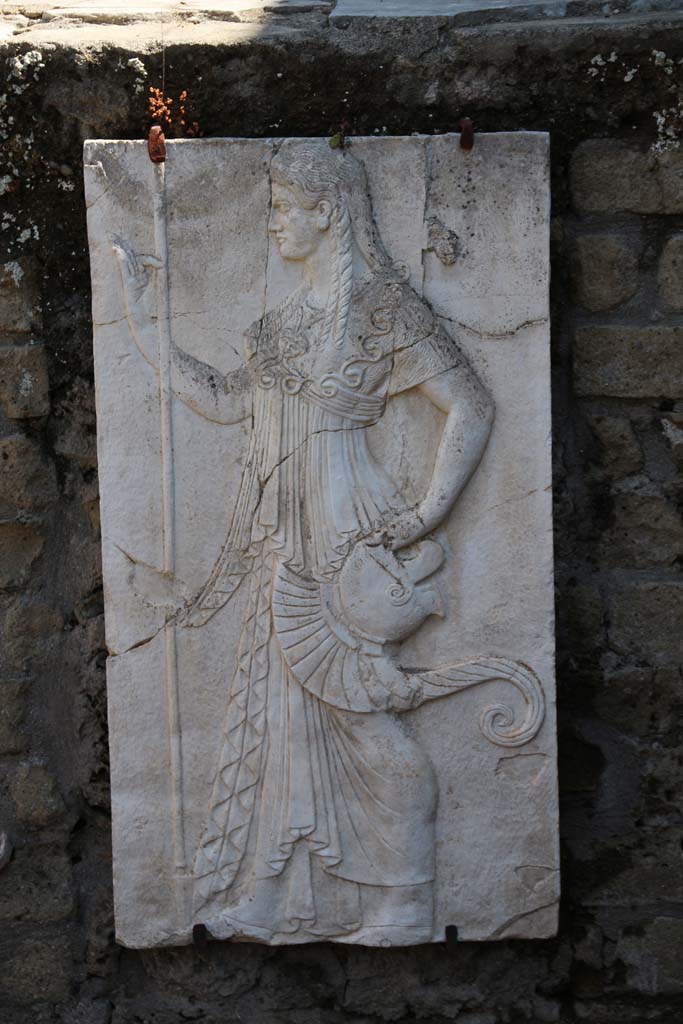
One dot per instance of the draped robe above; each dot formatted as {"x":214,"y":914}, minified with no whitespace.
{"x":321,"y":818}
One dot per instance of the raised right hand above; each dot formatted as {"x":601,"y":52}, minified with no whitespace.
{"x":136,"y":279}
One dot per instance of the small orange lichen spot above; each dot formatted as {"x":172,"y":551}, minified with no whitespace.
{"x":160,"y":110}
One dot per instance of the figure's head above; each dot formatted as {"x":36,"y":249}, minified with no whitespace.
{"x":320,"y":193}
{"x":314,"y":178}
{"x":298,"y":229}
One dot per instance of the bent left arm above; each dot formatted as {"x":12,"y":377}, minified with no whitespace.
{"x":469,"y":412}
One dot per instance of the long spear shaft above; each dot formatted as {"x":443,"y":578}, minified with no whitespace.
{"x":168,"y":522}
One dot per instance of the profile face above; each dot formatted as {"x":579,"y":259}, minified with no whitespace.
{"x":298,"y":232}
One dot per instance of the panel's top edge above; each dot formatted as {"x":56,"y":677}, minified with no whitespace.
{"x":309,"y":138}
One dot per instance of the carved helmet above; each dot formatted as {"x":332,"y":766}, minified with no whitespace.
{"x":333,"y":635}
{"x":387,"y":596}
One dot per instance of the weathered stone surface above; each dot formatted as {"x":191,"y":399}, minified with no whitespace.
{"x":36,"y":796}
{"x":35,"y":886}
{"x":634,"y":869}
{"x":349,"y":325}
{"x":670,"y":275}
{"x":20,"y":546}
{"x":610,"y":177}
{"x":428,"y":8}
{"x":661,"y":779}
{"x":100,"y":952}
{"x":672,"y":428}
{"x":32,"y":629}
{"x":653,"y":956}
{"x":27,"y":479}
{"x":12,"y":712}
{"x":37,"y":971}
{"x":605,"y":271}
{"x":17,"y":298}
{"x":642,"y":701}
{"x":84,"y":659}
{"x":645,"y":531}
{"x":629,"y":362}
{"x":620,"y":451}
{"x":73,"y":426}
{"x":23,"y":381}
{"x":583,"y":608}
{"x":645,"y":621}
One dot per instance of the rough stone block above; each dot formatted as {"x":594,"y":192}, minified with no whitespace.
{"x":31,"y":629}
{"x":636,"y":869}
{"x":92,"y":1011}
{"x":654,"y":956}
{"x":620,"y":454}
{"x":20,"y":546}
{"x":609,"y":176}
{"x":94,"y":106}
{"x":35,"y":886}
{"x":581,"y":618}
{"x":645,"y":621}
{"x":645,"y":531}
{"x":629,"y":362}
{"x":672,"y":427}
{"x":670,"y":275}
{"x":661,"y":790}
{"x":17,"y":298}
{"x":12,"y":710}
{"x":36,"y":796}
{"x":37,"y":971}
{"x":73,"y":425}
{"x":99,"y":931}
{"x":641,"y":701}
{"x":604,"y":271}
{"x":27,"y":480}
{"x":24,"y":388}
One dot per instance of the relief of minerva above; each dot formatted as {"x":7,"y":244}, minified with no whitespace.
{"x":321,"y":821}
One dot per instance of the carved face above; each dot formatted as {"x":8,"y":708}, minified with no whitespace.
{"x":297,"y":231}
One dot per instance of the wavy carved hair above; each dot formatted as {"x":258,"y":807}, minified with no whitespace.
{"x":315,"y":172}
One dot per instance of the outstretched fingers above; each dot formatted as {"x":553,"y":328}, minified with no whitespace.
{"x":126,"y":257}
{"x":133,"y":265}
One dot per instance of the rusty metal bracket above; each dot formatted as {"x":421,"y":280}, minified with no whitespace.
{"x":200,"y":937}
{"x":466,"y":133}
{"x":156,"y":145}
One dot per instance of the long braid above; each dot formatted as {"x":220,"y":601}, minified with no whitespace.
{"x":343,"y":270}
{"x":333,"y":294}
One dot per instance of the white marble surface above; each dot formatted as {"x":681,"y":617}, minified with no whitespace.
{"x":389,"y":853}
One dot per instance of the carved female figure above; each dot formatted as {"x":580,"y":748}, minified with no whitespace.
{"x":321,"y":819}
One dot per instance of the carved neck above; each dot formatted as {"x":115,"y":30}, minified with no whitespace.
{"x":319,"y":271}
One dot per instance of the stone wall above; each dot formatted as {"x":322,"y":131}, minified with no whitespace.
{"x":596,"y":84}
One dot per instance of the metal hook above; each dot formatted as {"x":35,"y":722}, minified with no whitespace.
{"x":156,"y":145}
{"x":466,"y":133}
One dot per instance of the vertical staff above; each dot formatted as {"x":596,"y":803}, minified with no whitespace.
{"x":157,"y":152}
